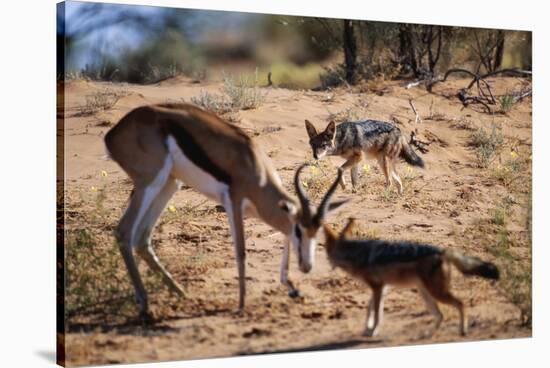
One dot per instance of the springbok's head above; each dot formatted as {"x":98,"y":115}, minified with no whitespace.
{"x":306,"y":220}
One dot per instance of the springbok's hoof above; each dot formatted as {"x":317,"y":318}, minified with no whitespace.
{"x":146,"y":318}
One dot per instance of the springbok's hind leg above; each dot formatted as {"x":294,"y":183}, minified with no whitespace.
{"x":144,"y":248}
{"x":126,"y":238}
{"x":128,"y":232}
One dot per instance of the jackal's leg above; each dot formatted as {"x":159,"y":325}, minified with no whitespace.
{"x":384,"y":167}
{"x":292,"y":291}
{"x":396,"y":178}
{"x":370,"y":314}
{"x":377,"y":304}
{"x":444,"y":296}
{"x":233,"y":208}
{"x":353,"y":161}
{"x":431,"y":304}
{"x":354,"y":175}
{"x":144,"y":248}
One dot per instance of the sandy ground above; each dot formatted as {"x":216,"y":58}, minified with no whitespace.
{"x":449,"y":204}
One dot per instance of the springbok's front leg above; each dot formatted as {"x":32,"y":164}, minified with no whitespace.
{"x":292,"y":291}
{"x":233,"y":209}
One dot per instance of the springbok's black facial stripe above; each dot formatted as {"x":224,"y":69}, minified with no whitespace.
{"x":298,"y":234}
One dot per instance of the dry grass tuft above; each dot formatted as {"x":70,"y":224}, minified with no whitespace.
{"x":100,"y":101}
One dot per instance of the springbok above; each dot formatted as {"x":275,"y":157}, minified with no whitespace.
{"x":160,"y":146}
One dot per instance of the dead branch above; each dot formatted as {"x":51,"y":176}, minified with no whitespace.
{"x":485,"y":94}
{"x":417,"y":115}
{"x":521,"y":96}
{"x":414,"y":84}
{"x":421,"y":146}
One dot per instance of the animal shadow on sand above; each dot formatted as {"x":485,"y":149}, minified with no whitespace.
{"x":331,"y":345}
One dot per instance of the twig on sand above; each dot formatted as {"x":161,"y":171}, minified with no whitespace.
{"x":417,"y":118}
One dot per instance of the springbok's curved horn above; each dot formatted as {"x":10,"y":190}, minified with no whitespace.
{"x":304,"y":201}
{"x":322,"y":209}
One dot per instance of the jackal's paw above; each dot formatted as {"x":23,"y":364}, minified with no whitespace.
{"x":427,"y":334}
{"x":369,"y":332}
{"x":294,"y":293}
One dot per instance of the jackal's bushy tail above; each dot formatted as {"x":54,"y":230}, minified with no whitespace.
{"x":408,"y":154}
{"x":472,"y":265}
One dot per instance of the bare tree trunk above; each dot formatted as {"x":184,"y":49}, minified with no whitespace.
{"x":433,"y":59}
{"x":409,"y":54}
{"x":350,"y":50}
{"x":499,"y":50}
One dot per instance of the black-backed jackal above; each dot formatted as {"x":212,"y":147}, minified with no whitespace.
{"x":370,"y":139}
{"x":380,"y":263}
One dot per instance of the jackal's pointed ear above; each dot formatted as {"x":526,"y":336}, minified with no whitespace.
{"x":348,"y":229}
{"x":330,"y":235}
{"x":311,"y":131}
{"x":331,"y":129}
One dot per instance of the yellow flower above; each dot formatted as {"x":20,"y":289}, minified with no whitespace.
{"x":104,"y":173}
{"x":304,"y":184}
{"x":513,"y":154}
{"x":172,"y":209}
{"x":93,"y":189}
{"x":366,"y":168}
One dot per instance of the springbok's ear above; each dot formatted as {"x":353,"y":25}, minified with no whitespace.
{"x":336,"y":204}
{"x":288,"y":207}
{"x":311,"y":131}
{"x":330,"y":130}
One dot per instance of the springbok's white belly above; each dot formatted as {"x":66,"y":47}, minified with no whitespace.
{"x":185,"y":170}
